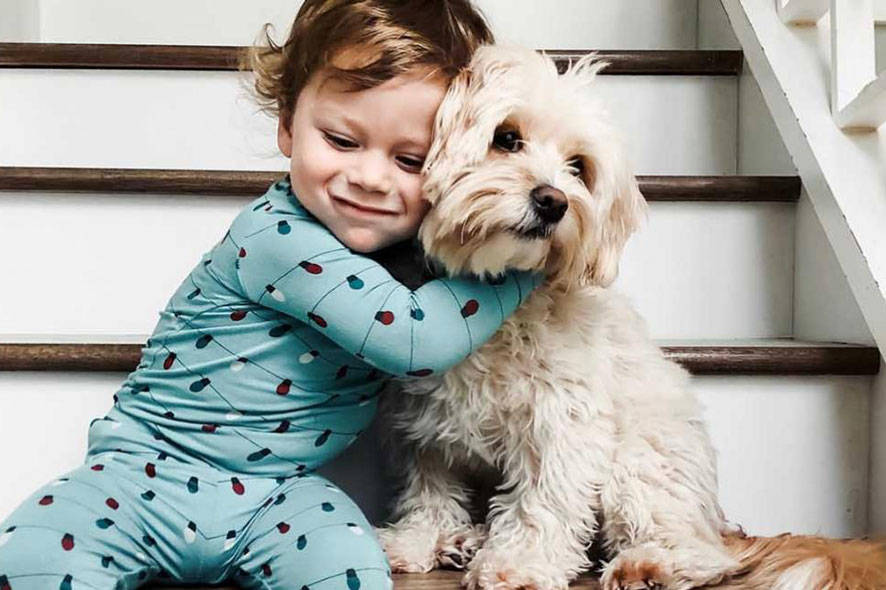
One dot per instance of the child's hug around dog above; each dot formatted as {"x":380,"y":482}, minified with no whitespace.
{"x":502,"y":351}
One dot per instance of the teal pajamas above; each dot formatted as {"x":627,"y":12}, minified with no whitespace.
{"x":266,"y":363}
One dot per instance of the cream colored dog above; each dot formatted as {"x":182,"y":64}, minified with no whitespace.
{"x":589,"y":426}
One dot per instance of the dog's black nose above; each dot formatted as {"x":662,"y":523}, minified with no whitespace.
{"x":550,"y":203}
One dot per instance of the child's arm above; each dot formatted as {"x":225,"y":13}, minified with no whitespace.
{"x":294,"y":264}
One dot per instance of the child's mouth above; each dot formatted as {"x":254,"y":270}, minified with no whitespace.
{"x":362,"y":209}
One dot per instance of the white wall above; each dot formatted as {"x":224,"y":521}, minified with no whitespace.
{"x":19,"y":21}
{"x":562,"y":24}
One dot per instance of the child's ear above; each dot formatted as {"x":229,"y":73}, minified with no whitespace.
{"x":284,"y":134}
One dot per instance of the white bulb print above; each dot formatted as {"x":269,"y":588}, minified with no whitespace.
{"x":308,"y":357}
{"x":237,"y":365}
{"x":357,"y":530}
{"x":229,"y":542}
{"x":190,"y":532}
{"x":4,"y":537}
{"x":233,"y":415}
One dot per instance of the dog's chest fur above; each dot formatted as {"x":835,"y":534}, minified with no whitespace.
{"x":539,"y":368}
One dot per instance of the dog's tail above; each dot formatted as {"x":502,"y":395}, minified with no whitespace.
{"x":795,"y":562}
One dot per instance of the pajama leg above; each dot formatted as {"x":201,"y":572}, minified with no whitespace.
{"x":74,"y":534}
{"x":312,"y":537}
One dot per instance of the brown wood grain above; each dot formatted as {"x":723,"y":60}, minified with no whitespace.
{"x":436,"y":580}
{"x":253,"y":183}
{"x":219,"y":57}
{"x":700,"y":360}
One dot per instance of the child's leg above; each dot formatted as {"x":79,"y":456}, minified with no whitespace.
{"x":312,"y":536}
{"x":74,"y":532}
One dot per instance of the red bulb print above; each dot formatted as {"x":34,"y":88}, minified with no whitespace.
{"x":317,"y":319}
{"x":312,"y":268}
{"x":266,"y":569}
{"x":283,"y":388}
{"x":170,"y":359}
{"x":242,"y":253}
{"x":420,"y":373}
{"x":98,"y":467}
{"x":151,"y":470}
{"x":470,"y":308}
{"x":342,"y":371}
{"x":283,"y":528}
{"x":210,"y":427}
{"x":385,"y":317}
{"x":238,"y":315}
{"x":45,"y":501}
{"x":68,"y":542}
{"x":112,"y":503}
{"x":237,"y":486}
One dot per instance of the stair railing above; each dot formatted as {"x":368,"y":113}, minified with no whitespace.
{"x":858,"y":94}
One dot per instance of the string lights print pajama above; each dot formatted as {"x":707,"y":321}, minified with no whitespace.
{"x":266,"y":363}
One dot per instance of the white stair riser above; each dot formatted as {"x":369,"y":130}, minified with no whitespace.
{"x":206,"y":120}
{"x":792,"y":450}
{"x":616,"y":24}
{"x":90,"y":264}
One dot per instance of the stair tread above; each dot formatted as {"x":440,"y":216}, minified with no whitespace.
{"x":251,"y":183}
{"x":221,"y":57}
{"x":436,"y":580}
{"x":756,"y":357}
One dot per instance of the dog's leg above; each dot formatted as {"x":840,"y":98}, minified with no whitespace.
{"x":662,"y":521}
{"x":540,"y":528}
{"x":432,"y":525}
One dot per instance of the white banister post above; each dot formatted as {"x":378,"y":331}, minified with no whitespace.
{"x":797,"y":12}
{"x":852,"y":50}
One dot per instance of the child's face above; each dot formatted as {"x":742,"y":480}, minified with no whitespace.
{"x":356,"y":157}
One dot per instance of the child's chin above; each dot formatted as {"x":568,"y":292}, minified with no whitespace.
{"x":364,"y":240}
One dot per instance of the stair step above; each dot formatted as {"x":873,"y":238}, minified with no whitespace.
{"x":220,"y":57}
{"x":436,"y":580}
{"x":764,"y":357}
{"x":250,"y":183}
{"x":209,"y":120}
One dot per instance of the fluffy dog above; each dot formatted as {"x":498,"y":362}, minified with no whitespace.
{"x":591,"y":429}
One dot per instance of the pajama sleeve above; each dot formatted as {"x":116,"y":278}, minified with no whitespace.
{"x":292,"y":263}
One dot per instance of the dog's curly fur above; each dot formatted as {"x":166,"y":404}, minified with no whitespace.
{"x":591,"y":429}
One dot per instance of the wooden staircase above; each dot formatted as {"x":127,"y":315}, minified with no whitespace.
{"x":97,"y":353}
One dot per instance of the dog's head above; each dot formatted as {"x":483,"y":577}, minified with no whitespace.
{"x":526,"y":172}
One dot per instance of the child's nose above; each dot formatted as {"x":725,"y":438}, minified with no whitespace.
{"x":372,"y":174}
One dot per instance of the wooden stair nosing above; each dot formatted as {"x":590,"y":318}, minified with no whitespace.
{"x":435,"y":580}
{"x":685,"y":62}
{"x":254,"y":183}
{"x":700,"y":360}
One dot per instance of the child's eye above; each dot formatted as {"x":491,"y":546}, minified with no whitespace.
{"x":411,"y":164}
{"x":338,"y":141}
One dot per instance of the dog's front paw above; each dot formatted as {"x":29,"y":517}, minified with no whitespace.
{"x":500,"y":570}
{"x":456,"y":549}
{"x":627,"y":572}
{"x":409,"y":549}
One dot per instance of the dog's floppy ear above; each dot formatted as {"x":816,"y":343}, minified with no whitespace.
{"x":476,"y":101}
{"x":615,"y":185}
{"x":452,"y":119}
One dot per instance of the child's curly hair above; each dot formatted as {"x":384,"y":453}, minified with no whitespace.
{"x":390,"y":37}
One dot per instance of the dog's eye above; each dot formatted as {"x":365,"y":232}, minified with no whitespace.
{"x":507,"y":140}
{"x":576,"y":166}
